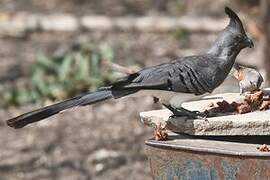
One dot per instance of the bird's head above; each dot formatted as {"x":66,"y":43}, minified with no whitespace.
{"x":233,"y":38}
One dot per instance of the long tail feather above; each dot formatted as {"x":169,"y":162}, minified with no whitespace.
{"x":42,"y":113}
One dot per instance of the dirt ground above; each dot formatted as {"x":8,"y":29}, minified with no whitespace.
{"x":117,"y":8}
{"x":104,"y":141}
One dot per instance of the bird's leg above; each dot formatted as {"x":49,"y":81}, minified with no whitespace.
{"x":241,"y":91}
{"x":175,"y":111}
{"x":179,"y":112}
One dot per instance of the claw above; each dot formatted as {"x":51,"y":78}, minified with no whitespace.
{"x":201,"y":115}
{"x":180,"y":112}
{"x":204,"y":117}
{"x":174,"y":116}
{"x":175,"y":111}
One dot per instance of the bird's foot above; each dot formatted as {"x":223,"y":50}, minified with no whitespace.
{"x":180,"y":112}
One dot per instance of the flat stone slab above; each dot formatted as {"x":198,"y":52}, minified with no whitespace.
{"x":253,"y":123}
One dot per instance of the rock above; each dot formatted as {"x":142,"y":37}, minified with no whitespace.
{"x":253,"y":123}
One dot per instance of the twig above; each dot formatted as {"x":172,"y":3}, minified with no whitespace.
{"x":118,"y":68}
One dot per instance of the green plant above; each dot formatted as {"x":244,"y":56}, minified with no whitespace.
{"x":58,"y":78}
{"x":183,"y":36}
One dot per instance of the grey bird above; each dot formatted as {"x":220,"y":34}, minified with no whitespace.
{"x":250,"y":79}
{"x":196,"y":75}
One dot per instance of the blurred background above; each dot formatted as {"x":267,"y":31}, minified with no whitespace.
{"x":51,"y":50}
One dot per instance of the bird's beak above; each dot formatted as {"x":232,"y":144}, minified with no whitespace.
{"x":248,"y":42}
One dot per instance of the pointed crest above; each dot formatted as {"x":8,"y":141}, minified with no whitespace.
{"x":235,"y":21}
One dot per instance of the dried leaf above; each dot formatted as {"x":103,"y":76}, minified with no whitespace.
{"x":160,"y":133}
{"x":265,"y":105}
{"x":263,"y":148}
{"x":243,"y":108}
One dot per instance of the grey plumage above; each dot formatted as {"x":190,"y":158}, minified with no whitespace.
{"x":36,"y":115}
{"x":192,"y":75}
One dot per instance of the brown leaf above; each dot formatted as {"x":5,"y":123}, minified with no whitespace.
{"x":263,"y":148}
{"x":255,"y":99}
{"x":160,"y":133}
{"x":227,"y":107}
{"x":243,"y":108}
{"x":265,"y":105}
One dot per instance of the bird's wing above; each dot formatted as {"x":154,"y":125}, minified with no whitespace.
{"x":180,"y":76}
{"x":155,"y":77}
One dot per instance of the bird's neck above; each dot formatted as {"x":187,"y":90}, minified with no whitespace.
{"x":226,"y":53}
